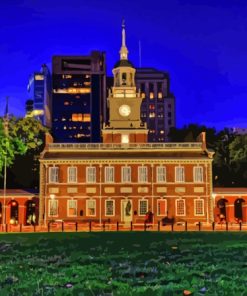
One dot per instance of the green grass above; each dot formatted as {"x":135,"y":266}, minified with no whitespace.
{"x":123,"y":263}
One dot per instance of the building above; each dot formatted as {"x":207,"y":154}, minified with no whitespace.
{"x":39,"y":103}
{"x":78,"y":95}
{"x":230,"y":204}
{"x":22,"y":206}
{"x":158,"y":105}
{"x":124,"y":177}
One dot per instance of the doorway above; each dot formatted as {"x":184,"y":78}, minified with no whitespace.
{"x":126,"y":211}
{"x":221,"y":205}
{"x":238,"y":210}
{"x":14,"y":212}
{"x":30,"y":212}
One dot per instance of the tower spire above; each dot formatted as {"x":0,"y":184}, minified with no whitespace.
{"x":123,"y":51}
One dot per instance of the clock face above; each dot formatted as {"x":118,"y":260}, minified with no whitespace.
{"x":124,"y":110}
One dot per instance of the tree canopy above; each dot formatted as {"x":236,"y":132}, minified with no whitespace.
{"x":230,"y":159}
{"x":21,"y":147}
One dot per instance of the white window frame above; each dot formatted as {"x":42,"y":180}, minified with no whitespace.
{"x":139,"y":207}
{"x":195,"y":207}
{"x":87,"y":207}
{"x":126,"y":174}
{"x":54,"y":178}
{"x":158,"y":212}
{"x":198,"y":178}
{"x":108,"y":169}
{"x":177,"y":201}
{"x":70,"y":175}
{"x":113,"y":209}
{"x":179,"y":174}
{"x":90,"y":174}
{"x":141,"y":174}
{"x":160,"y":172}
{"x":68,"y":204}
{"x":50,"y":201}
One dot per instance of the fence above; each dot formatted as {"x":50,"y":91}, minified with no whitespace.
{"x":90,"y":226}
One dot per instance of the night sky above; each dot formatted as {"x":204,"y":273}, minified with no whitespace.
{"x":202,"y":44}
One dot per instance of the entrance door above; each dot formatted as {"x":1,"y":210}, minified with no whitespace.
{"x":126,"y":211}
{"x":30,"y":212}
{"x":238,"y":212}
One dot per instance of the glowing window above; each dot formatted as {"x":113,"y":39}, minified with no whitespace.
{"x":72,"y":208}
{"x":180,"y":207}
{"x":151,"y":95}
{"x":124,"y":139}
{"x":39,"y":77}
{"x":91,"y":207}
{"x":160,"y":95}
{"x":199,"y":207}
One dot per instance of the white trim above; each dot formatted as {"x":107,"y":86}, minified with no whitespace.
{"x":203,"y":204}
{"x":87,"y":201}
{"x":139,"y":206}
{"x":51,"y":176}
{"x":161,"y":200}
{"x":181,"y":174}
{"x":69,"y":175}
{"x":92,"y":175}
{"x":195,"y":176}
{"x":158,"y":175}
{"x":113,"y":211}
{"x":176,"y":206}
{"x":141,"y":174}
{"x":49,"y":207}
{"x":122,"y":174}
{"x":107,"y":179}
{"x":68,"y":202}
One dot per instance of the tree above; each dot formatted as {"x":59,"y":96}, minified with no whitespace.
{"x":10,"y":146}
{"x":26,"y":138}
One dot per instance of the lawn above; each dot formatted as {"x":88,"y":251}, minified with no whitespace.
{"x":123,"y":263}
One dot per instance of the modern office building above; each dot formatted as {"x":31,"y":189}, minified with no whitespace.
{"x":158,"y":105}
{"x":124,"y":177}
{"x":78,"y":96}
{"x":38,"y":104}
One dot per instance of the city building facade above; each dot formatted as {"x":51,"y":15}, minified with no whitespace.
{"x":39,"y":103}
{"x":158,"y":105}
{"x":21,"y":207}
{"x":230,"y":204}
{"x":78,"y":95}
{"x":125,"y":177}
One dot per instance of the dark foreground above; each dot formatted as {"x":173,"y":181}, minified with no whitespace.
{"x":124,"y":263}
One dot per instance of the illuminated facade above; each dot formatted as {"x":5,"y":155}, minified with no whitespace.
{"x":39,"y":103}
{"x":158,"y":105}
{"x":124,"y":177}
{"x":78,"y":94}
{"x":22,"y":207}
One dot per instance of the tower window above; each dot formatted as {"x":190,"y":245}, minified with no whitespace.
{"x":124,"y":139}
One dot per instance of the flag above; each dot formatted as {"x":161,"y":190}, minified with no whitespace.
{"x":6,"y":113}
{"x":6,"y":117}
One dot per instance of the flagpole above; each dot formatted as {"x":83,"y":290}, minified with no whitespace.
{"x":6,"y":132}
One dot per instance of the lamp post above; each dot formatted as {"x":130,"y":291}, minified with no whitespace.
{"x":6,"y":133}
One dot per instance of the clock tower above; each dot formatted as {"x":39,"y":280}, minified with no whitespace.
{"x":124,"y":103}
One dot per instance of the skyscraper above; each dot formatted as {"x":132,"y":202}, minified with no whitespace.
{"x":39,"y":89}
{"x":78,"y":95}
{"x":158,"y":105}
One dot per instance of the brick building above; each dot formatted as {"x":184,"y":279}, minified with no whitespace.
{"x":230,"y":204}
{"x":124,"y":177}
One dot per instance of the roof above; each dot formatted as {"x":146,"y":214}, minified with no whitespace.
{"x":19,"y":192}
{"x":131,"y":151}
{"x":230,"y":190}
{"x":123,"y":63}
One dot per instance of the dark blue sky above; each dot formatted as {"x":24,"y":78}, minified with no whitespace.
{"x":202,"y":44}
